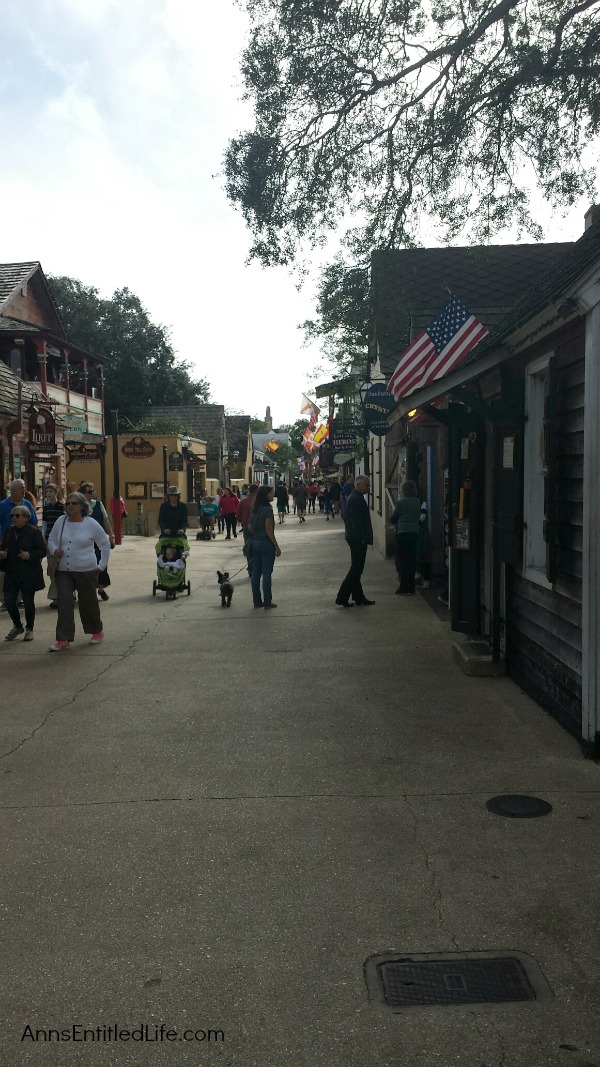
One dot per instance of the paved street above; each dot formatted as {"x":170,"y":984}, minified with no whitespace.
{"x":214,"y":819}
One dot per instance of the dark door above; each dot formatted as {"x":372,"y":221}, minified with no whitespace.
{"x":466,"y":439}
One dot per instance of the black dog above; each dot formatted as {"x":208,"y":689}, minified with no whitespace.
{"x":226,"y":588}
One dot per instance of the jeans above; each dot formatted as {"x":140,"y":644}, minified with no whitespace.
{"x":263,"y":561}
{"x":12,"y":591}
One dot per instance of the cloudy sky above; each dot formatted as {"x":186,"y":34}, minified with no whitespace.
{"x":115,"y":116}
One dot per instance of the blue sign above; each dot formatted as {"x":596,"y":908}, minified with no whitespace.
{"x":376,"y":405}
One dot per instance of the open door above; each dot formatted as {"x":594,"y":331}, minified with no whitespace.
{"x":466,"y":441}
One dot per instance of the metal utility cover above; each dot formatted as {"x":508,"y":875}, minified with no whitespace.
{"x":517,"y":806}
{"x":481,"y":980}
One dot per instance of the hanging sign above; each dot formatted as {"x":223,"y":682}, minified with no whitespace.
{"x":42,"y":434}
{"x":376,"y":406}
{"x":343,"y":442}
{"x":81,"y":452}
{"x":175,"y":461}
{"x":138,"y":448}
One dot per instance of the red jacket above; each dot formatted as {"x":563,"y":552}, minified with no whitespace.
{"x":228,"y":505}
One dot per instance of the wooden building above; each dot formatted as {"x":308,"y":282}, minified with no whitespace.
{"x":521,"y":418}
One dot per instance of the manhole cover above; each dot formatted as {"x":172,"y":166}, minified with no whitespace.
{"x":513,"y":806}
{"x":451,"y":980}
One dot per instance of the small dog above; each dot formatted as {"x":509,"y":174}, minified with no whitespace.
{"x":226,"y":588}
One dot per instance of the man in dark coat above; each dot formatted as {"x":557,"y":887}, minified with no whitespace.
{"x":359,"y":534}
{"x":21,"y":553}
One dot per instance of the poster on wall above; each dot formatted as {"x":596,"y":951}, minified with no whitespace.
{"x":136,"y":490}
{"x":157,"y":490}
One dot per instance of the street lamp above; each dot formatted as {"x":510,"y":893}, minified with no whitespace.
{"x":185,"y":444}
{"x":363,"y":389}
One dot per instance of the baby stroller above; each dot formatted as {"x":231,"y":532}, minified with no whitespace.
{"x":169,"y":582}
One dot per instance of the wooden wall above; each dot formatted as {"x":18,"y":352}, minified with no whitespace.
{"x":543,"y":626}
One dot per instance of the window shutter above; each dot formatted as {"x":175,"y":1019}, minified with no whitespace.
{"x":551,"y":465}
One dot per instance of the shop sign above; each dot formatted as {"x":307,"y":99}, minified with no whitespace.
{"x":195,"y":462}
{"x":73,"y":426}
{"x":138,"y":448}
{"x":376,"y":406}
{"x":42,"y":432}
{"x":82,"y":453}
{"x":343,"y":442}
{"x":175,"y":461}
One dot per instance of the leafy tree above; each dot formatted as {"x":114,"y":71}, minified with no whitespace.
{"x":141,"y":366}
{"x":258,"y":425}
{"x":388,"y":111}
{"x":343,"y":315}
{"x":295,"y":430}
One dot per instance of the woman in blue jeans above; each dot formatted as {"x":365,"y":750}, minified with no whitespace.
{"x":264,"y":547}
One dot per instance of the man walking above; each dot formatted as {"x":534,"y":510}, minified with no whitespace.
{"x":347,"y":488}
{"x":282,"y":498}
{"x":359,"y":534}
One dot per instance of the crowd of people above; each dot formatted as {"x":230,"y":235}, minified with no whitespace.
{"x":76,"y":539}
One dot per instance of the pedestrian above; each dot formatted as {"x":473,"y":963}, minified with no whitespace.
{"x":300,"y":501}
{"x":405,"y":518}
{"x":228,"y":506}
{"x":220,"y":518}
{"x":359,"y":534}
{"x":72,"y":541}
{"x":347,"y":489}
{"x":424,"y":549}
{"x":242,"y":515}
{"x":51,"y":511}
{"x":321,"y":495}
{"x":264,"y":547}
{"x":16,"y":496}
{"x":281,"y":496}
{"x":327,"y":503}
{"x":335,"y":493}
{"x":100,"y":514}
{"x":21,"y":555}
{"x":312,"y":496}
{"x":117,"y":506}
{"x":173,"y":514}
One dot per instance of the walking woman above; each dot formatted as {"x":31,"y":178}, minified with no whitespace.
{"x":73,"y":541}
{"x":100,"y":514}
{"x":228,"y":506}
{"x":23,"y":550}
{"x":405,"y":517}
{"x":264,"y":547}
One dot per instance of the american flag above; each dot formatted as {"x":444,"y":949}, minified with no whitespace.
{"x":437,"y":349}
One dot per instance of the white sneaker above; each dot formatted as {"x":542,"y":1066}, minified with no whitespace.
{"x":28,"y":635}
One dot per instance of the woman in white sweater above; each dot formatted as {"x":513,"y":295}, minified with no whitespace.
{"x":71,"y":542}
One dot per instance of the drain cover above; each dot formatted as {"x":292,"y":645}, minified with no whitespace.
{"x":451,"y":980}
{"x":513,"y":806}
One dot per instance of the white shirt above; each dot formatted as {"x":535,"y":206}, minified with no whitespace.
{"x":77,"y":542}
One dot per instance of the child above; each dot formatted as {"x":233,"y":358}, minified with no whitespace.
{"x":172,"y":560}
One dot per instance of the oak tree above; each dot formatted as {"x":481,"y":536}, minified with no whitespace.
{"x":378,"y":113}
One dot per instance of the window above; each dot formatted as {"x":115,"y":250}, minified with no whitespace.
{"x":537,"y":454}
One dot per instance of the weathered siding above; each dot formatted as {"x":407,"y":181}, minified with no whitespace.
{"x":543,"y":626}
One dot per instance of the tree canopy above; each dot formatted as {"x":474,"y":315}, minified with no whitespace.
{"x":342,"y":321}
{"x":378,"y":113}
{"x":141,"y":366}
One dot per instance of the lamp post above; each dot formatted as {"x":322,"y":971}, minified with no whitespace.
{"x":185,"y":447}
{"x":116,"y":481}
{"x":363,"y":389}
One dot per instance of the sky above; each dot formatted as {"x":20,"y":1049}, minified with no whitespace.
{"x":115,"y":117}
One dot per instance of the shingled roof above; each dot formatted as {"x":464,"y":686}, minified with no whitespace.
{"x":205,"y":421}
{"x":9,"y":387}
{"x":238,"y":431}
{"x":409,"y":286}
{"x":14,"y":276}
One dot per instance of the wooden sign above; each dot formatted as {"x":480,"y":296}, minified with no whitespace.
{"x":42,"y":432}
{"x":138,"y":448}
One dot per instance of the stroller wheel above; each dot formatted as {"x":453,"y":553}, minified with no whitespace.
{"x":153,"y":588}
{"x":189,"y":588}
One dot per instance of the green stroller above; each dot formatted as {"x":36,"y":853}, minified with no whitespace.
{"x":173,"y":581}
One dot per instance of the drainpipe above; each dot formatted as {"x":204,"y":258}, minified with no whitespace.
{"x":42,"y":360}
{"x":590,"y":672}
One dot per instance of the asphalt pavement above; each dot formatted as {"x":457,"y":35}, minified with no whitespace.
{"x":214,"y":819}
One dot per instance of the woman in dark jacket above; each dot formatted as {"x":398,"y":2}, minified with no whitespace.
{"x":405,"y":517}
{"x":22,"y":552}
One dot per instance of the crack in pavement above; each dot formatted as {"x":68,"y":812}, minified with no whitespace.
{"x":65,"y":703}
{"x":437,"y":889}
{"x":194,"y":798}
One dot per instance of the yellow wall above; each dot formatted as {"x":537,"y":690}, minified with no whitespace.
{"x":137,"y":471}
